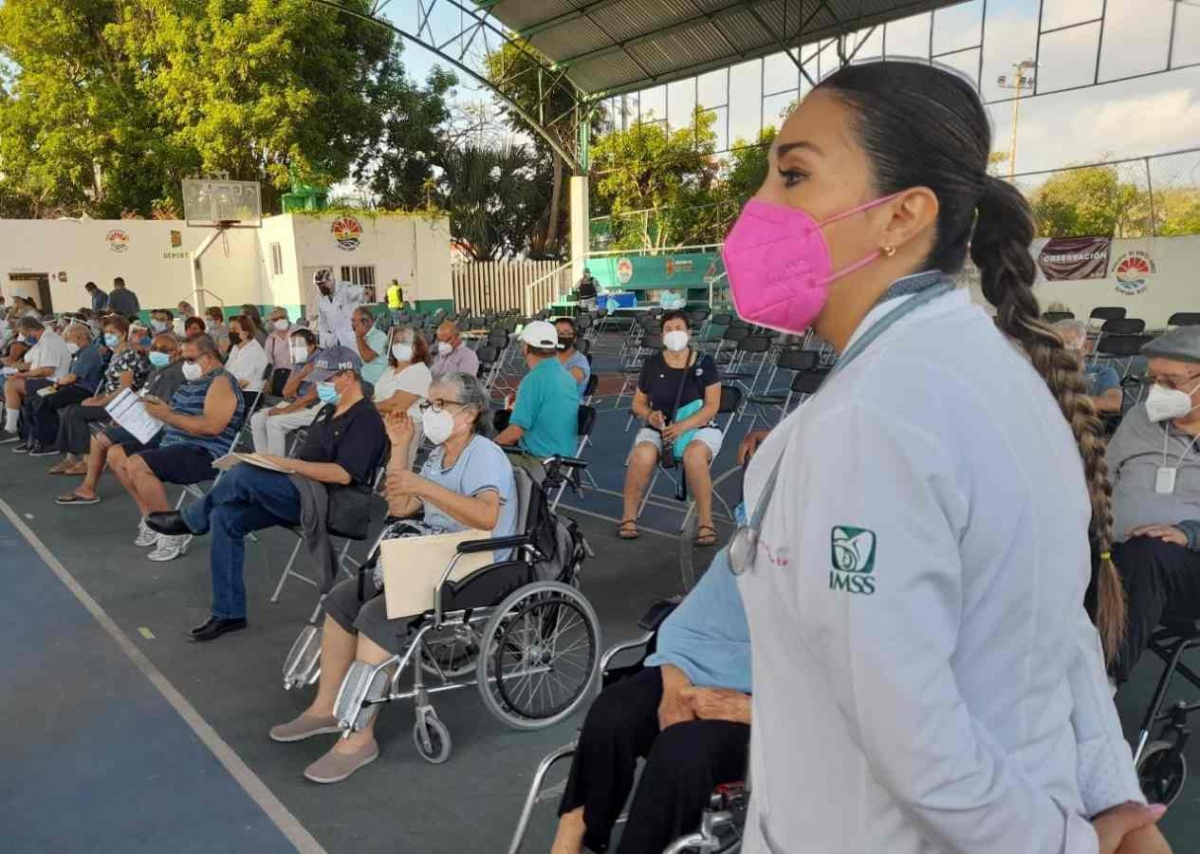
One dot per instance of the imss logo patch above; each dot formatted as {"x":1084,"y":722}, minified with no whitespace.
{"x":852,"y":553}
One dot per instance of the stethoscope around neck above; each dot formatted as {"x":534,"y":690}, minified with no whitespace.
{"x":743,"y":547}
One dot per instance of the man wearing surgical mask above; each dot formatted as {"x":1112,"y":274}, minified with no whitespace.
{"x":451,"y":355}
{"x":1154,"y":460}
{"x":336,"y":303}
{"x":1103,"y":382}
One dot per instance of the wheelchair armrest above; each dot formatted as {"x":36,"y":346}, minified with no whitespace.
{"x":493,"y":544}
{"x":658,"y":612}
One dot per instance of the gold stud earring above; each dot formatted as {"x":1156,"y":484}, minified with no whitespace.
{"x":888,"y":251}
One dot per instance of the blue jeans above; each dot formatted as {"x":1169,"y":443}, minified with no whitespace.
{"x":244,"y":499}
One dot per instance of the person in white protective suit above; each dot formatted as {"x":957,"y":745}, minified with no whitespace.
{"x":918,"y":538}
{"x":336,"y":303}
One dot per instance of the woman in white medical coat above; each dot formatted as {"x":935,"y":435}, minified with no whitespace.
{"x":926,"y":677}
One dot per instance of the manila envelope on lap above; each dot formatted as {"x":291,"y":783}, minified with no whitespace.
{"x":413,"y":565}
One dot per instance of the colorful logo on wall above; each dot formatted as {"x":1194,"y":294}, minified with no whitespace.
{"x":176,"y":239}
{"x":1133,"y":271}
{"x":624,"y":270}
{"x":118,"y":241}
{"x":347,"y":231}
{"x":684,"y":265}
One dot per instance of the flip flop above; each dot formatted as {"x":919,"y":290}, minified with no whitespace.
{"x":73,"y":499}
{"x":61,"y":468}
{"x":627,"y":530}
{"x":706,"y":540}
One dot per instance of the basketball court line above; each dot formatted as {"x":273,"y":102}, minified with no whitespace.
{"x":255,"y":788}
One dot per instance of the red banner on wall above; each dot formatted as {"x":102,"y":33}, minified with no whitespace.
{"x":1075,"y":258}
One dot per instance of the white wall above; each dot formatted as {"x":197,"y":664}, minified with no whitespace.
{"x":76,"y":252}
{"x":1174,"y":285}
{"x":237,"y":267}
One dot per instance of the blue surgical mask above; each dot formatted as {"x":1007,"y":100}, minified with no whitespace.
{"x":111,"y":339}
{"x":328,"y":393}
{"x":160,"y":360}
{"x":146,"y":341}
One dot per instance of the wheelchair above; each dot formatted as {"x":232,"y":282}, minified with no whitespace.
{"x":519,"y":630}
{"x":721,"y":824}
{"x":1162,"y":763}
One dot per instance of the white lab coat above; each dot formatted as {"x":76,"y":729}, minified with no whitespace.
{"x":50,"y":351}
{"x":949,"y":697}
{"x":335,"y":313}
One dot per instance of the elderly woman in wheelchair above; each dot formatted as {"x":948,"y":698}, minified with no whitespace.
{"x":530,"y":640}
{"x":685,"y":710}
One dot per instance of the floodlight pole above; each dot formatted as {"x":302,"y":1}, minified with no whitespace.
{"x":1020,"y":83}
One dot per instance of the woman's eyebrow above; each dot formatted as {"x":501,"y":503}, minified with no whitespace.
{"x":785,"y":147}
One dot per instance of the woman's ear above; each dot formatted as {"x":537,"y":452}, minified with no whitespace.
{"x":912,"y":213}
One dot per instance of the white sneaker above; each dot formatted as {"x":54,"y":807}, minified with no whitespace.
{"x":145,"y":538}
{"x":169,"y":547}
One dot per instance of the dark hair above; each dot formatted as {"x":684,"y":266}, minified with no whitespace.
{"x":570,"y":321}
{"x":677,"y":314}
{"x":215,"y":309}
{"x":306,"y":335}
{"x":197,"y":322}
{"x":30,"y":324}
{"x":118,"y":323}
{"x":245,"y":323}
{"x":204,"y":344}
{"x":923,"y":126}
{"x":118,"y":282}
{"x":90,"y":286}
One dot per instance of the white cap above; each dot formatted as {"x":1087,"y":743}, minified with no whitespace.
{"x":540,"y":334}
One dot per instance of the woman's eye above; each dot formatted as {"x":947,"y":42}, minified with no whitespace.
{"x":792,"y":177}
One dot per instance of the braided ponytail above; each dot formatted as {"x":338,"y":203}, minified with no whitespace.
{"x":1000,"y":248}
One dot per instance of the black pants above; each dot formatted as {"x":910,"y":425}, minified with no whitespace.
{"x":1162,"y":581}
{"x":74,"y":437}
{"x":684,"y":763}
{"x":41,"y":413}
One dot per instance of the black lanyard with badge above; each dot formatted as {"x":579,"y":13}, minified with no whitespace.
{"x":743,"y":547}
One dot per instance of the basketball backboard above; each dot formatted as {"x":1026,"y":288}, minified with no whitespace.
{"x":211,"y":202}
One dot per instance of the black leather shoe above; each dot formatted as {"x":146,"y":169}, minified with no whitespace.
{"x":214,"y":627}
{"x":170,"y":523}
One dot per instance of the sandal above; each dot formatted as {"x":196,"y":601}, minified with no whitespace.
{"x":706,"y":540}
{"x":627,"y":530}
{"x":76,"y":470}
{"x":72,"y":498}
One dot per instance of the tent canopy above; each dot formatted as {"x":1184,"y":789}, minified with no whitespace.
{"x":607,"y":47}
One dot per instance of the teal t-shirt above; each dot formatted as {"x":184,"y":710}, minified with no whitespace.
{"x":547,"y":409}
{"x":377,"y":340}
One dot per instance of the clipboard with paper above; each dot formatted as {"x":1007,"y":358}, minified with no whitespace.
{"x":128,"y":410}
{"x":412,"y":567}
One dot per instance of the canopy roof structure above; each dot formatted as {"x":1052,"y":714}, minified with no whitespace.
{"x":611,"y":46}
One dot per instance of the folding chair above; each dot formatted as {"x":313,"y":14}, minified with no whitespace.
{"x":731,"y":400}
{"x":1117,"y":327}
{"x":650,"y":345}
{"x":489,"y":365}
{"x":798,"y":362}
{"x":1105,"y":313}
{"x":1053,"y":317}
{"x":587,"y":421}
{"x":752,"y":348}
{"x":1183,"y":318}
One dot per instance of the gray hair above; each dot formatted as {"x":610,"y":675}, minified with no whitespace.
{"x":472,"y":393}
{"x":1071,"y":326}
{"x":30,"y":324}
{"x":204,"y":344}
{"x":77,"y":329}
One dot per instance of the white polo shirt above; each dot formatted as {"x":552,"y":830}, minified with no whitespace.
{"x":926,"y":680}
{"x":50,"y":352}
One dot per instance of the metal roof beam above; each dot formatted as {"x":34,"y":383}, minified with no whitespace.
{"x":566,"y":17}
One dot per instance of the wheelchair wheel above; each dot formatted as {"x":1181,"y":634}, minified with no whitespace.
{"x":1162,"y":772}
{"x":541,"y":653}
{"x":432,"y":740}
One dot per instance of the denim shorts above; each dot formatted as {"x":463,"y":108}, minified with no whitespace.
{"x":179,"y":464}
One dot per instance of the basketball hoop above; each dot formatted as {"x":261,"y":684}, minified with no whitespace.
{"x":221,"y":204}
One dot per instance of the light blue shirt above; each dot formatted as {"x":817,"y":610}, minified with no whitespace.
{"x":547,"y":410}
{"x":578,"y":360}
{"x":377,"y":340}
{"x":482,"y":466}
{"x":707,"y":636}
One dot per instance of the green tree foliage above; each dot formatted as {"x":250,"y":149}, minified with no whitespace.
{"x":549,"y":100}
{"x":748,"y":167}
{"x":497,"y":195}
{"x":1092,"y":201}
{"x":657,"y":184}
{"x":111,"y":103}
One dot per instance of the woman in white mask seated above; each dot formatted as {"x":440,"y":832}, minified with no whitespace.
{"x":299,"y":408}
{"x":467,"y":483}
{"x":406,"y":381}
{"x":678,"y":395}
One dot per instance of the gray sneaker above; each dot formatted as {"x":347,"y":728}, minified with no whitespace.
{"x":7,"y":438}
{"x":305,"y":726}
{"x":334,"y":767}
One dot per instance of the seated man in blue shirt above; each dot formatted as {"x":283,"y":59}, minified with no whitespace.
{"x":77,"y":385}
{"x":1103,"y":381}
{"x":545,"y":416}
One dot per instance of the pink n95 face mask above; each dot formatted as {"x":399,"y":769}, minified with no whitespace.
{"x":779,"y":267}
